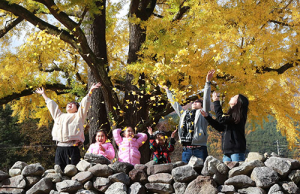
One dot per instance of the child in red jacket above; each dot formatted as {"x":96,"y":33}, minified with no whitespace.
{"x":159,"y":146}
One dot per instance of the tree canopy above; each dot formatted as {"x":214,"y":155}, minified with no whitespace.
{"x":252,"y":45}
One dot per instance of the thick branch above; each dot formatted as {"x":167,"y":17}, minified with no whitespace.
{"x":280,"y":23}
{"x":10,"y":26}
{"x":181,"y":12}
{"x":280,"y":70}
{"x":27,"y":92}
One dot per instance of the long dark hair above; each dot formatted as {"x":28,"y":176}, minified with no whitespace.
{"x":99,"y":130}
{"x":239,"y":111}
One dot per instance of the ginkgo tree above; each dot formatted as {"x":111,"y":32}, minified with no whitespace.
{"x":252,"y":45}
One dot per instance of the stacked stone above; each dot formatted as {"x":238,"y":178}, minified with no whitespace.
{"x":95,"y":174}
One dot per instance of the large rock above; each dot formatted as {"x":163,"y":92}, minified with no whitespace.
{"x":252,"y":190}
{"x":117,"y":188}
{"x":240,"y":181}
{"x":70,"y":170}
{"x":142,"y":167}
{"x":202,"y":185}
{"x":159,"y":168}
{"x":228,"y":189}
{"x":179,"y":187}
{"x":295,"y":163}
{"x":3,"y":175}
{"x":69,"y":186}
{"x":14,"y":172}
{"x":11,"y":191}
{"x":184,"y":174}
{"x":88,"y":185}
{"x":220,"y":178}
{"x":136,"y":175}
{"x":161,"y":178}
{"x":82,"y":191}
{"x":101,"y":184}
{"x":120,"y":177}
{"x":31,"y":180}
{"x":83,"y":177}
{"x":45,"y":185}
{"x":14,"y":182}
{"x":252,"y":156}
{"x":94,"y":158}
{"x":55,"y":177}
{"x":295,"y":176}
{"x":210,"y":166}
{"x":136,"y":188}
{"x":231,"y":165}
{"x":178,"y":163}
{"x":223,"y":168}
{"x":19,"y":165}
{"x":281,"y":165}
{"x":122,"y":167}
{"x":196,"y":163}
{"x":290,"y":187}
{"x":159,"y":188}
{"x":83,"y":165}
{"x":264,"y":177}
{"x":275,"y":189}
{"x":101,"y":170}
{"x":33,"y":170}
{"x":245,"y":168}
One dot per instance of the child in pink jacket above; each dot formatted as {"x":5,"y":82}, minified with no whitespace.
{"x":129,"y":145}
{"x":101,"y":147}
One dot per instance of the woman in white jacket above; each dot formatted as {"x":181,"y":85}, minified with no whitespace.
{"x":68,"y":130}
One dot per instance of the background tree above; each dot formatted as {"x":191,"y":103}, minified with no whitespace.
{"x":252,"y":45}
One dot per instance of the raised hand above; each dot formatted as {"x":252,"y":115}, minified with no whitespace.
{"x":215,"y":96}
{"x":150,"y":130}
{"x":210,"y":75}
{"x":40,"y":90}
{"x":101,"y":147}
{"x":93,"y":87}
{"x":173,"y":133}
{"x":203,"y":113}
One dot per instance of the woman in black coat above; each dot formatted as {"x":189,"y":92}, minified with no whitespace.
{"x":232,"y":125}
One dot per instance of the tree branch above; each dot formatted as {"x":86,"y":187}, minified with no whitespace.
{"x":10,"y":26}
{"x":280,"y":23}
{"x":27,"y":92}
{"x":279,"y":70}
{"x":181,"y":12}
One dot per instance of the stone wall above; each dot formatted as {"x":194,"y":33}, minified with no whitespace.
{"x":95,"y":174}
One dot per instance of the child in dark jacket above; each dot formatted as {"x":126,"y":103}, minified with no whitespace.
{"x":159,"y":146}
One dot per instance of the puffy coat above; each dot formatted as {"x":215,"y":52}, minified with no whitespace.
{"x":109,"y":150}
{"x":129,"y":147}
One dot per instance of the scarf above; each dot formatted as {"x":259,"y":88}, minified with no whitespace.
{"x":188,"y":126}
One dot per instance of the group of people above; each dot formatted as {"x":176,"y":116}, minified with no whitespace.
{"x":68,"y":130}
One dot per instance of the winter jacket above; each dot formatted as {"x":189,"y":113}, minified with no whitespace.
{"x":200,"y":124}
{"x":68,"y":126}
{"x":129,"y":147}
{"x":109,"y":150}
{"x":233,"y":136}
{"x":161,"y":153}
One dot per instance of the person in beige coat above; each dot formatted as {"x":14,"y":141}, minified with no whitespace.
{"x":68,"y":130}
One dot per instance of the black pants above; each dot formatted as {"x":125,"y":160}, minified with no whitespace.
{"x":67,"y":155}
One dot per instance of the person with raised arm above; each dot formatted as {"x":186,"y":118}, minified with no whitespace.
{"x":68,"y":130}
{"x":192,"y":128}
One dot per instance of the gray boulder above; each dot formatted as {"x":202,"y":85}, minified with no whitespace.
{"x":68,"y":186}
{"x":11,"y":191}
{"x":88,"y":185}
{"x":252,"y":190}
{"x":275,"y":189}
{"x":142,"y":167}
{"x":33,"y":170}
{"x":136,"y":188}
{"x":45,"y":185}
{"x":101,"y":184}
{"x":222,"y":168}
{"x":83,"y":165}
{"x":220,"y":178}
{"x":57,"y":169}
{"x":159,"y":188}
{"x":196,"y":163}
{"x":70,"y":170}
{"x":178,"y":163}
{"x":122,"y":167}
{"x":202,"y":185}
{"x":228,"y":189}
{"x":264,"y":177}
{"x":82,"y":191}
{"x":14,"y":182}
{"x":136,"y":175}
{"x":179,"y":187}
{"x":14,"y":172}
{"x":282,"y":166}
{"x":210,"y":166}
{"x":245,"y":168}
{"x":294,"y":176}
{"x":55,"y":177}
{"x":161,"y":178}
{"x":31,"y":180}
{"x":101,"y":170}
{"x":94,"y":158}
{"x":120,"y":177}
{"x":83,"y":177}
{"x":252,"y":156}
{"x":19,"y":165}
{"x":159,"y":168}
{"x":240,"y":181}
{"x":290,"y":187}
{"x":184,"y":174}
{"x":117,"y":188}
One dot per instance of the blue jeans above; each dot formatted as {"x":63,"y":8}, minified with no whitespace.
{"x":200,"y":152}
{"x":237,"y":157}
